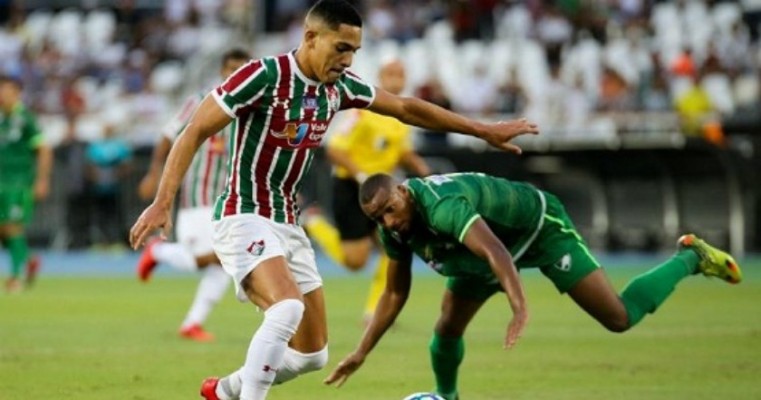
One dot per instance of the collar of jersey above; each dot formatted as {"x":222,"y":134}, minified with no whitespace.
{"x":299,"y":73}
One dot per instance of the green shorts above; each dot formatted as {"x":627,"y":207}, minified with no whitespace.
{"x":558,"y":251}
{"x":16,"y":205}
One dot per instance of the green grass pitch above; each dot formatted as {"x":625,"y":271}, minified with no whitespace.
{"x":113,"y":338}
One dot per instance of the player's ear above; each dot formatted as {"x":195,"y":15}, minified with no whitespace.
{"x":310,"y":36}
{"x":402,"y":189}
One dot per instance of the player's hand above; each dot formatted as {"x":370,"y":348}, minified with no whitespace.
{"x":41,"y":189}
{"x":515,"y":327}
{"x":147,"y":188}
{"x":501,"y":133}
{"x":154,"y":217}
{"x":345,"y":368}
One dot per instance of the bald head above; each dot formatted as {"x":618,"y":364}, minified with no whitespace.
{"x":392,"y":77}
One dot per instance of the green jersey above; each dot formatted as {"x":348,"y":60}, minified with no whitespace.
{"x":448,"y":205}
{"x":19,"y":139}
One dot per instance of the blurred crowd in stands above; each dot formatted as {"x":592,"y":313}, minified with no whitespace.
{"x":106,"y":74}
{"x":107,"y":63}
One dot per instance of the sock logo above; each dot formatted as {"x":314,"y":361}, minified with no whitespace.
{"x":256,"y":247}
{"x":267,"y":368}
{"x":564,"y":264}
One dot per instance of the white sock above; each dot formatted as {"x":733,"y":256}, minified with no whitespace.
{"x":175,"y":255}
{"x":296,"y":363}
{"x":210,"y":290}
{"x":228,"y":387}
{"x":267,"y":348}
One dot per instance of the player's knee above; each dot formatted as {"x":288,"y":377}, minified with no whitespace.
{"x":283,"y":317}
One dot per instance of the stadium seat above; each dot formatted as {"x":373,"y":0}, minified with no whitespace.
{"x":746,"y":90}
{"x":37,"y":25}
{"x":719,"y":90}
{"x":725,"y":14}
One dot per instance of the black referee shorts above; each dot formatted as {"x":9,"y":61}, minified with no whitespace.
{"x":351,"y":222}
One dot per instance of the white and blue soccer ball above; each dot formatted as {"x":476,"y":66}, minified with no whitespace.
{"x":423,"y":396}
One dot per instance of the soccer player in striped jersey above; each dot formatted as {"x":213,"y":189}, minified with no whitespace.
{"x":478,"y":231}
{"x":367,"y":143}
{"x":281,"y":107}
{"x":25,"y":163}
{"x":199,"y":189}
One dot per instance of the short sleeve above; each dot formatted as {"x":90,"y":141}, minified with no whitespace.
{"x":243,"y":88}
{"x":355,"y":92}
{"x":394,"y":248}
{"x":453,"y":216}
{"x":175,"y":125}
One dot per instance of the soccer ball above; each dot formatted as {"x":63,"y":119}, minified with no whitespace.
{"x":423,"y":396}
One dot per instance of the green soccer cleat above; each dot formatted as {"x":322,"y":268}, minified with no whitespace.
{"x":713,"y":262}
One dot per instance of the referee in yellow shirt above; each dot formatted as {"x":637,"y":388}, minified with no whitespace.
{"x":367,"y":143}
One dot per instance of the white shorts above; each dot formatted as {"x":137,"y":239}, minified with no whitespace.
{"x":195,"y":230}
{"x":244,"y":241}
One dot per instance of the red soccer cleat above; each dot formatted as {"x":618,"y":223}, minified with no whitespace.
{"x":32,"y":268}
{"x":146,"y":264}
{"x":197,"y":333}
{"x":209,"y":388}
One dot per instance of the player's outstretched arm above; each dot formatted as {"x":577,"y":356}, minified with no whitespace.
{"x":390,"y":305}
{"x":207,"y":120}
{"x":484,"y":243}
{"x":150,"y":182}
{"x":414,"y":111}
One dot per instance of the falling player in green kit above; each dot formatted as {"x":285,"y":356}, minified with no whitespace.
{"x":25,"y":162}
{"x":282,"y":106}
{"x":478,"y":231}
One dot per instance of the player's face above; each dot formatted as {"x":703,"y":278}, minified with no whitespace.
{"x":231,"y":66}
{"x":9,"y":95}
{"x":392,"y":209}
{"x":332,"y":51}
{"x":393,"y":78}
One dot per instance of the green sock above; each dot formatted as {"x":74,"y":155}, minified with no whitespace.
{"x":446,"y":355}
{"x":19,"y":254}
{"x":648,"y":291}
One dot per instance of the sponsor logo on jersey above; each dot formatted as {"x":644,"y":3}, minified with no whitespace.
{"x":564,"y":264}
{"x":296,"y":133}
{"x":256,"y":247}
{"x":309,"y":103}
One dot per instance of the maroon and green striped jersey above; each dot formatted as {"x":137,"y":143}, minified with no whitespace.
{"x":281,"y":117}
{"x":205,"y":179}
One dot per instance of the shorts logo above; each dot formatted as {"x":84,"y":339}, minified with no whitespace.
{"x":564,"y":264}
{"x":256,"y":247}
